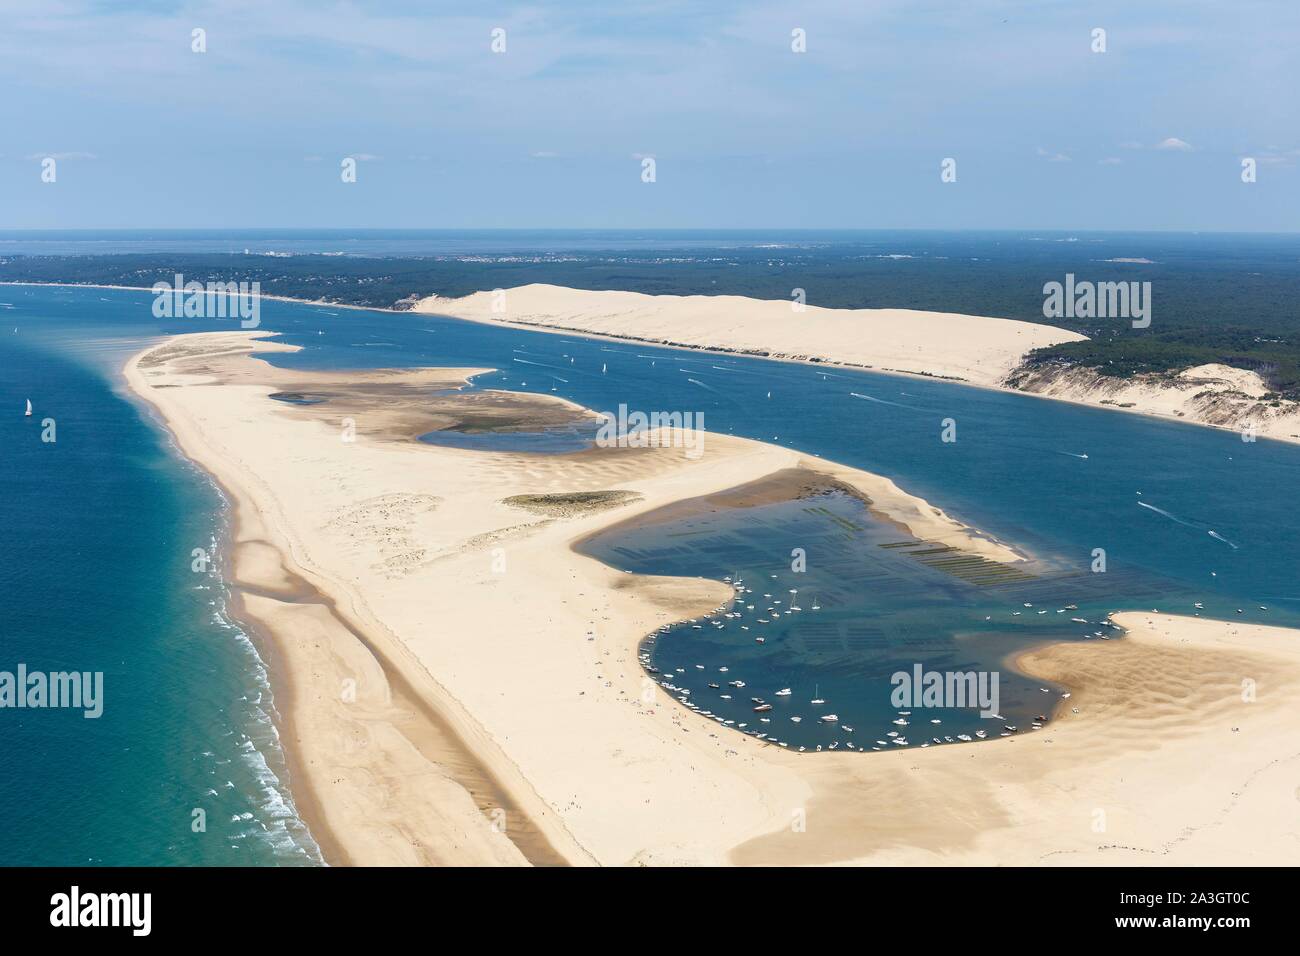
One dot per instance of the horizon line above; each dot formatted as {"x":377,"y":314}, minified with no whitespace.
{"x":642,"y":229}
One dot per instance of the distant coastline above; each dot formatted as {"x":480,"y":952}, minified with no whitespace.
{"x":142,"y":288}
{"x":1163,"y":398}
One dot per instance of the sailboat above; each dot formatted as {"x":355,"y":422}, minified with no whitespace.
{"x":29,"y":408}
{"x":817,"y":697}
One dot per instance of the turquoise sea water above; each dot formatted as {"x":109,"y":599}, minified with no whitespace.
{"x":95,"y":571}
{"x":99,"y":528}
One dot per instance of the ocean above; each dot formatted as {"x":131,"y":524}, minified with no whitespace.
{"x":100,"y":525}
{"x":100,"y":528}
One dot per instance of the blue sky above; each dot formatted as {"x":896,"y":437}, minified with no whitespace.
{"x":745,"y":133}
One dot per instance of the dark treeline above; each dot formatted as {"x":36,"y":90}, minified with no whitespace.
{"x":1241,"y":312}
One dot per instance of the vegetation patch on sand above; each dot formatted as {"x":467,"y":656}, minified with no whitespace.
{"x":572,"y":504}
{"x":1268,"y":349}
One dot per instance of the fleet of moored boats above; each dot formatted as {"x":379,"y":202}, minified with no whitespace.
{"x":776,"y":608}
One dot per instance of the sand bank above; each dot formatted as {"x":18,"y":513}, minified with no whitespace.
{"x":447,"y":655}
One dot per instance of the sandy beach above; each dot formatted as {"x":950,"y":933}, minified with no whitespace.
{"x":459,"y":686}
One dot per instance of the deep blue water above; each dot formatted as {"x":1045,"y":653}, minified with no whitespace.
{"x":99,"y":528}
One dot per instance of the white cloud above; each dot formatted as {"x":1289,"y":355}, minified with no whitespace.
{"x":62,"y":156}
{"x":1277,"y":157}
{"x":1053,"y":157}
{"x":1175,"y":144}
{"x":1110,"y":161}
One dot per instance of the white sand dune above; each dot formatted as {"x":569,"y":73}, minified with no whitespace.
{"x":971,"y":348}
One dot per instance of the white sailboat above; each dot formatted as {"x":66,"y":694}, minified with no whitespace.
{"x":29,"y":408}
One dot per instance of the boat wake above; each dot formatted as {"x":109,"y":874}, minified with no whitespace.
{"x":881,"y":401}
{"x":1218,"y":537}
{"x":1189,"y":524}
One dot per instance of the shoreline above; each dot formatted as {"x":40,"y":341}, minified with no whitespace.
{"x":719,"y":350}
{"x":547,"y":671}
{"x":145,"y":288}
{"x":305,"y":802}
{"x":311,"y":803}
